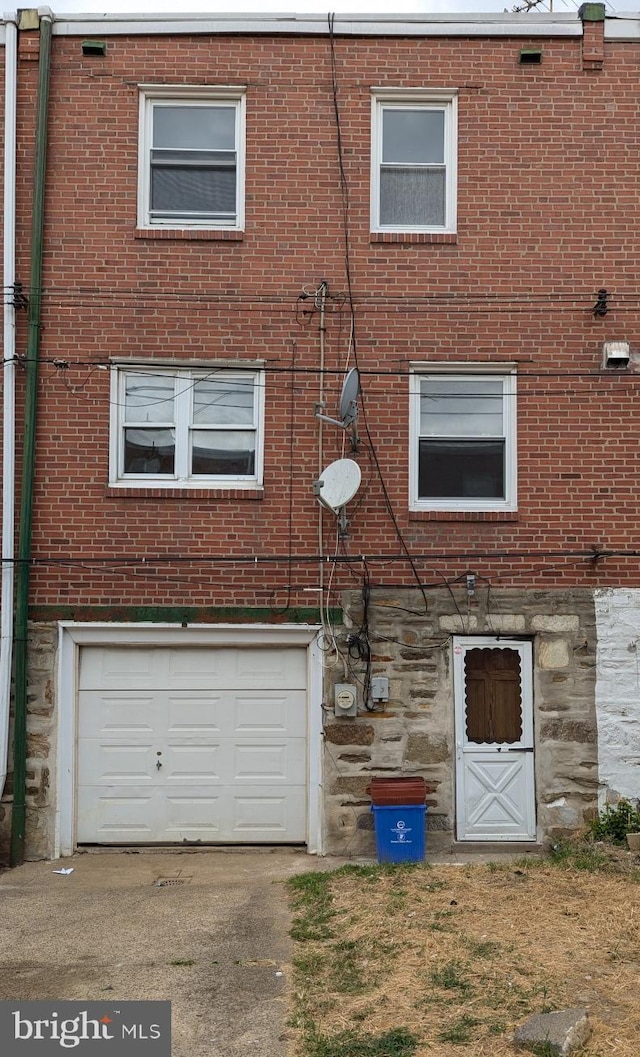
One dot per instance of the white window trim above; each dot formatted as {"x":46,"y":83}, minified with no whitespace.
{"x":116,"y":429}
{"x":149,"y":94}
{"x":439,"y":99}
{"x":507,"y":371}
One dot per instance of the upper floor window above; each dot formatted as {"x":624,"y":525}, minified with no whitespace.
{"x":187,"y":427}
{"x":463,"y":440}
{"x":191,"y":157}
{"x":413,"y":171}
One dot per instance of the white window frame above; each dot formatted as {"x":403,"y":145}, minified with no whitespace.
{"x":185,"y":95}
{"x":442,"y":100}
{"x":507,"y":373}
{"x":185,"y":377}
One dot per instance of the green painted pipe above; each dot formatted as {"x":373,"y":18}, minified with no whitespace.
{"x":18,"y":816}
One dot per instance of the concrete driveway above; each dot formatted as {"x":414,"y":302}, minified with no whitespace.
{"x":119,"y":926}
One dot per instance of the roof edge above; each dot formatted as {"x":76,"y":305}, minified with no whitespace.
{"x":564,"y":24}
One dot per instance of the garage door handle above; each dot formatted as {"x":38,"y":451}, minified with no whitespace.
{"x":158,"y":765}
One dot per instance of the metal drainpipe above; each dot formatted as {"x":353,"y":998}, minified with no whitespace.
{"x":18,"y":818}
{"x":8,"y":394}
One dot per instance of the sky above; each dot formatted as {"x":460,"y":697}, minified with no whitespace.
{"x":354,"y":7}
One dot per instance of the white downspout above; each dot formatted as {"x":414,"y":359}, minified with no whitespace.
{"x":9,"y":375}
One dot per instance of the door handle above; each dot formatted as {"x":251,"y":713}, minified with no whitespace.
{"x":158,"y":765}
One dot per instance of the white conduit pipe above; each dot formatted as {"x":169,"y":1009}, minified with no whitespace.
{"x":8,"y":405}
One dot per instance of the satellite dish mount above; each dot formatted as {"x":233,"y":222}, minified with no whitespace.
{"x":348,"y":406}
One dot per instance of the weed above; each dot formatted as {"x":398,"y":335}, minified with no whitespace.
{"x":578,"y":855}
{"x":182,"y":961}
{"x":544,"y":1049}
{"x":451,"y":979}
{"x":460,"y":1031}
{"x":363,"y":1014}
{"x":395,"y":1043}
{"x":358,"y":965}
{"x":313,"y":900}
{"x":481,"y":948}
{"x":497,"y":1028}
{"x":613,"y":823}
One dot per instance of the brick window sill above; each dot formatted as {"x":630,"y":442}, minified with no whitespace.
{"x":189,"y":234}
{"x":463,"y":515}
{"x":443,"y":238}
{"x":214,"y":495}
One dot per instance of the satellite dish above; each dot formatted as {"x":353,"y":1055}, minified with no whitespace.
{"x":348,"y":402}
{"x":338,"y":484}
{"x":349,"y":398}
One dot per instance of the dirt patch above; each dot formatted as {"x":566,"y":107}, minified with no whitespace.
{"x":459,"y":956}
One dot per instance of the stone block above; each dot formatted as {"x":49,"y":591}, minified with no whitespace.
{"x":556,"y":623}
{"x":568,"y":730}
{"x":425,"y":749}
{"x":349,"y":733}
{"x":355,"y":757}
{"x":37,"y":746}
{"x":561,"y":1033}
{"x":553,"y":653}
{"x":460,"y":625}
{"x":505,"y":623}
{"x":354,"y":784}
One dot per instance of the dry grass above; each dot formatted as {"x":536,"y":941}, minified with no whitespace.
{"x":459,"y":956}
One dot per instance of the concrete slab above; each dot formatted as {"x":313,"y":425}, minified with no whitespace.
{"x":119,"y":926}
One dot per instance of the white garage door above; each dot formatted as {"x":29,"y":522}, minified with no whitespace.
{"x":191,"y":744}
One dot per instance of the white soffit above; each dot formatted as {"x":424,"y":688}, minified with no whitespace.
{"x":487,"y":25}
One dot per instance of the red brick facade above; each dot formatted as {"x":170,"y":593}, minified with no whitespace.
{"x":547,"y":193}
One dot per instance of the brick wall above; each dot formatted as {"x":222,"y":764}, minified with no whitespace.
{"x":548,"y":176}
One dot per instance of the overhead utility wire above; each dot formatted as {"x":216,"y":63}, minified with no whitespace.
{"x":593,"y":553}
{"x":344,"y":191}
{"x":212,"y":367}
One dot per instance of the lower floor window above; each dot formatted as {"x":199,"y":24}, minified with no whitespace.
{"x":463,"y":441}
{"x":187,"y":426}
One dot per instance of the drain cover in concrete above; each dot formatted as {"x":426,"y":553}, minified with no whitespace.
{"x":165,"y":882}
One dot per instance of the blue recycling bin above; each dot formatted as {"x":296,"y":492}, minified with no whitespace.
{"x":400,"y":832}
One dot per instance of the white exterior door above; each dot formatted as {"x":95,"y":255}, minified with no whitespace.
{"x":189,"y":743}
{"x":495,"y":791}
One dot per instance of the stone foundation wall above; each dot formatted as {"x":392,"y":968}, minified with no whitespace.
{"x":413,"y":733}
{"x":41,"y":749}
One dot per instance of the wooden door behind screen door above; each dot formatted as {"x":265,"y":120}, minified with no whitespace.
{"x":495,"y":789}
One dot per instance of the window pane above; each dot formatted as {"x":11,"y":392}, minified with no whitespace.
{"x":415,"y":136}
{"x":414,"y":197}
{"x":211,"y":159}
{"x":493,"y":696}
{"x":149,"y":451}
{"x":210,"y":127}
{"x":223,"y":401}
{"x":149,"y":398}
{"x":217,"y":452}
{"x":457,"y":407}
{"x":460,"y":469}
{"x":191,"y":190}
